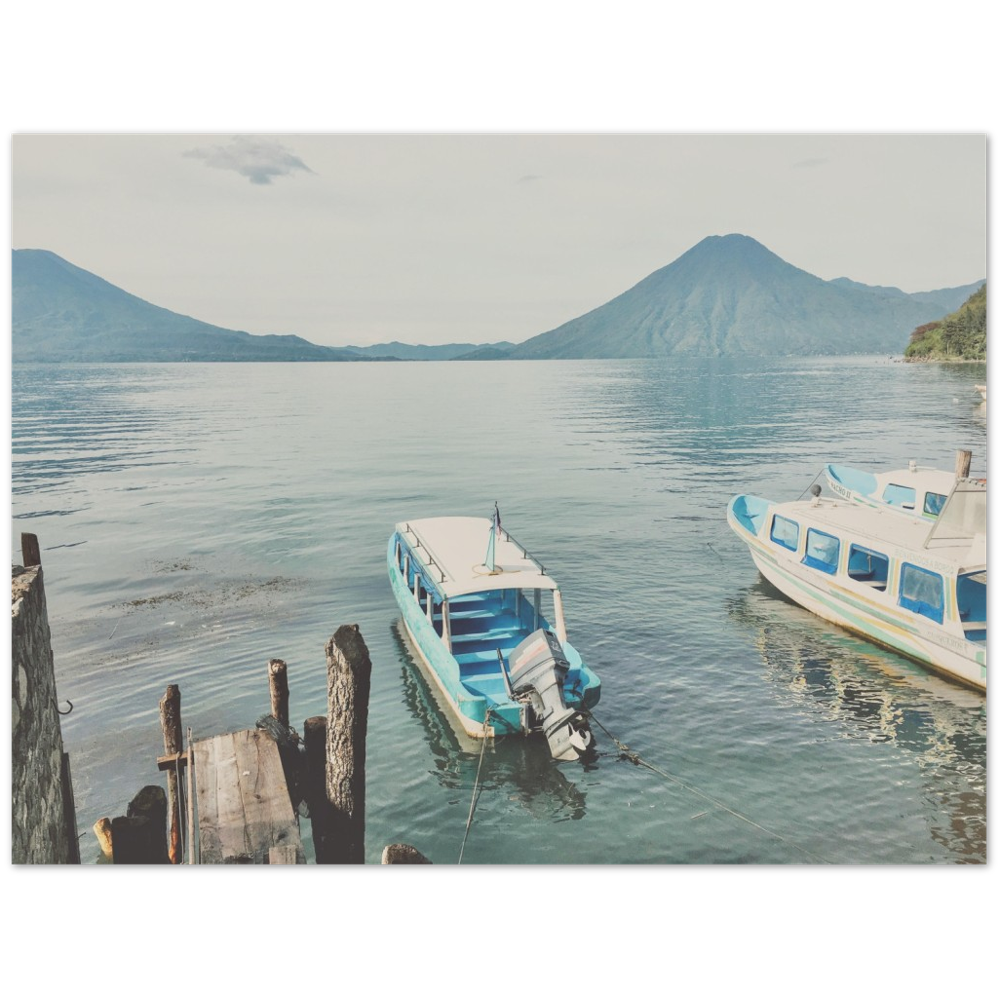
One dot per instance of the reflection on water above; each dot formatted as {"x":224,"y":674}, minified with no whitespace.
{"x":878,"y":696}
{"x":521,"y":764}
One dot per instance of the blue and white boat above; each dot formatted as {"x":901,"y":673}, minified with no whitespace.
{"x":481,"y":624}
{"x":913,"y":490}
{"x":910,"y":584}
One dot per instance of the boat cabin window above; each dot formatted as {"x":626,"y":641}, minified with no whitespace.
{"x":933,"y":503}
{"x":868,"y":566}
{"x":785,"y":532}
{"x":900,"y":496}
{"x":922,"y":591}
{"x":970,"y":593}
{"x":822,"y":551}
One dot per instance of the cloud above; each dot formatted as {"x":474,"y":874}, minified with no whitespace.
{"x":259,"y":160}
{"x":527,"y":179}
{"x":815,"y":161}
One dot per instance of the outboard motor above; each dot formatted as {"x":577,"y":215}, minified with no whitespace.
{"x":538,"y":671}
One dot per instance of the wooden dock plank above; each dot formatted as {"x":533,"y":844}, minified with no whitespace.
{"x":244,"y":809}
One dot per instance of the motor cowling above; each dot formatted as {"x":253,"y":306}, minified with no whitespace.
{"x":538,"y":669}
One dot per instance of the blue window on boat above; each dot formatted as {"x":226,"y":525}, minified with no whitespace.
{"x":970,"y":593}
{"x":922,"y":591}
{"x":785,"y":532}
{"x":900,"y":496}
{"x":822,"y":551}
{"x":933,"y":503}
{"x":868,"y":566}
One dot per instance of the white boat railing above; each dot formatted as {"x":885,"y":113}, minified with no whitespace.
{"x":524,"y":552}
{"x":421,"y":544}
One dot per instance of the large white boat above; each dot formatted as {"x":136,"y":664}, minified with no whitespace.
{"x":910,"y":584}
{"x":480,"y":625}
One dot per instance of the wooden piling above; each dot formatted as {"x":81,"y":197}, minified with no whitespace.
{"x":314,"y":740}
{"x":170,"y":723}
{"x":403,"y":854}
{"x":102,"y":830}
{"x":963,"y":463}
{"x":31,"y":553}
{"x":348,"y":667}
{"x":139,"y":838}
{"x":277,"y":675}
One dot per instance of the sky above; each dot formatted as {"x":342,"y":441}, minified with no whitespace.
{"x":481,"y":237}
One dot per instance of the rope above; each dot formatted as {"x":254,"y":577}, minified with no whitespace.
{"x":631,"y":756}
{"x":809,"y":487}
{"x":475,"y":790}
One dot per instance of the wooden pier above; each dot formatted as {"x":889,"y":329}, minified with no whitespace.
{"x":245,"y":813}
{"x":234,"y":798}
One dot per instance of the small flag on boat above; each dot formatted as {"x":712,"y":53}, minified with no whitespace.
{"x":490,"y":560}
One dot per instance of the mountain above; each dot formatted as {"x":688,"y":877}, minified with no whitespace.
{"x":729,"y":295}
{"x":427,"y":352}
{"x":960,"y":336}
{"x":59,"y":312}
{"x":488,"y":352}
{"x":953,"y":297}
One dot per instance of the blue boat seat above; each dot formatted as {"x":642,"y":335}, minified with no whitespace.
{"x":485,"y":641}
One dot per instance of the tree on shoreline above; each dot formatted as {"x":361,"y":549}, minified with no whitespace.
{"x":959,"y":336}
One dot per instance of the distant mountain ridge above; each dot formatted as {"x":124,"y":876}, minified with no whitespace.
{"x":426,"y":352}
{"x":730,"y":295}
{"x":60,"y":312}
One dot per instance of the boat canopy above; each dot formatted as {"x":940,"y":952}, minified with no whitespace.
{"x":914,"y":488}
{"x":963,"y":516}
{"x":452,"y":550}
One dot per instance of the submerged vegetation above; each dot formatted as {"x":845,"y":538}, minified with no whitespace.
{"x":960,"y":336}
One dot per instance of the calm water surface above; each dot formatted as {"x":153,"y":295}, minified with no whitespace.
{"x":197,"y":520}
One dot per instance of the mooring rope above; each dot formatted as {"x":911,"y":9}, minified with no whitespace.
{"x":634,"y":758}
{"x":811,"y":482}
{"x":475,"y":789}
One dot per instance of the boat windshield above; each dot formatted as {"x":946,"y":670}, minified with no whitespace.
{"x":963,"y":517}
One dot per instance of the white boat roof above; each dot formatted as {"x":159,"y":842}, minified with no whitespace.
{"x":453,"y":549}
{"x":851,"y":522}
{"x":921,"y":480}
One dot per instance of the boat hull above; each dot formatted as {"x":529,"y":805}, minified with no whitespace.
{"x":862,"y":613}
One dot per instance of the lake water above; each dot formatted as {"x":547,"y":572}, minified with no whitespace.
{"x":197,"y":520}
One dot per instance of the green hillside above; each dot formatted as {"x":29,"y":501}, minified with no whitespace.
{"x":960,"y":336}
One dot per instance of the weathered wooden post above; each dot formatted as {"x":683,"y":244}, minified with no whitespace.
{"x":31,"y":553}
{"x":963,"y":463}
{"x":314,"y":740}
{"x":348,"y":678}
{"x":102,"y":830}
{"x":403,"y":854}
{"x":170,"y":723}
{"x":140,"y":837}
{"x":277,"y":674}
